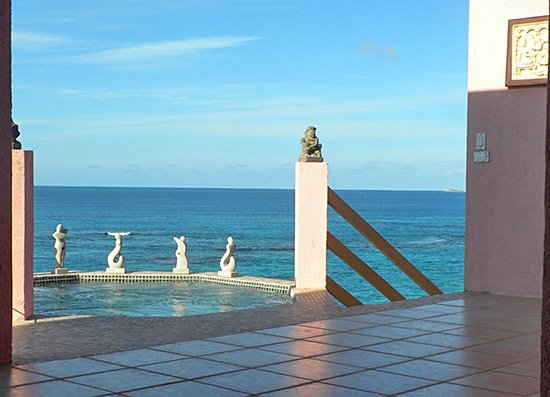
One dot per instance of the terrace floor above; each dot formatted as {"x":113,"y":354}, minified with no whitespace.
{"x":451,"y":345}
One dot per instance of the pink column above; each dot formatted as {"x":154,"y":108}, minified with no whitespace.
{"x":311,"y":218}
{"x":5,"y":182}
{"x":22,"y":233}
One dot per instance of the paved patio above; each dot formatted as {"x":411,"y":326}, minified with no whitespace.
{"x":458,"y":345}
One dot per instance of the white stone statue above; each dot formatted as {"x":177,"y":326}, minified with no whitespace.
{"x":59,"y":250}
{"x":227,"y":263}
{"x":116,"y":266}
{"x":181,"y":259}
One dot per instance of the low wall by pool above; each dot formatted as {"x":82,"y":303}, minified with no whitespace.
{"x":259,"y":283}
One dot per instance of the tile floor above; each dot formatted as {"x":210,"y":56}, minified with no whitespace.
{"x":483,"y":346}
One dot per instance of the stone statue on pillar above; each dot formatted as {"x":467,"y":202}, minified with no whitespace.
{"x":115,"y":259}
{"x":15,"y":144}
{"x":59,"y":250}
{"x":181,"y":258}
{"x":311,"y":148}
{"x":227,"y":263}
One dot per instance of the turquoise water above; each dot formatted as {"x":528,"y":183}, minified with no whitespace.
{"x":149,"y":299}
{"x":427,"y":227}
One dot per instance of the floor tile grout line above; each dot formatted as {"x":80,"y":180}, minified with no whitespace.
{"x":334,"y":362}
{"x":235,"y":351}
{"x":92,"y":356}
{"x":392,"y":338}
{"x":430,"y":358}
{"x":311,"y":356}
{"x":81,"y":384}
{"x":126,"y":366}
{"x":384,"y":369}
{"x":370,"y":391}
{"x":336,"y":331}
{"x":344,"y":348}
{"x":293,"y":358}
{"x":484,"y":388}
{"x":266,"y":344}
{"x":446,"y":332}
{"x":75,"y":376}
{"x":268,"y":391}
{"x":403,"y":319}
{"x":462,"y":324}
{"x":438,"y":383}
{"x":446,"y":346}
{"x":85,"y":357}
{"x":293,"y":337}
{"x":186,"y":380}
{"x":420,"y":329}
{"x":176,"y":380}
{"x":237,"y":348}
{"x":408,"y":360}
{"x":424,"y":317}
{"x":530,"y":354}
{"x":353,"y":333}
{"x":30,"y":383}
{"x":450,"y":349}
{"x":507,"y":338}
{"x":31,"y":372}
{"x":329,"y":384}
{"x":240,"y":369}
{"x":512,"y":373}
{"x":359,"y":370}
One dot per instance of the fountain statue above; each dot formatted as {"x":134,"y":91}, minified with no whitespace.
{"x":59,"y":248}
{"x":181,"y":259}
{"x":227,"y":263}
{"x":311,"y":148}
{"x":116,"y":265}
{"x":15,"y":144}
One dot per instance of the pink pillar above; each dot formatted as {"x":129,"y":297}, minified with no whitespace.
{"x":5,"y":182}
{"x":311,"y":218}
{"x":22,"y":233}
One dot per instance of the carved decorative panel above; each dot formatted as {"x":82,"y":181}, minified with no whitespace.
{"x":527,"y":62}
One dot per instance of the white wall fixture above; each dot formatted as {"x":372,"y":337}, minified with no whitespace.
{"x":116,"y":265}
{"x":480,"y":141}
{"x":227,"y":263}
{"x":59,"y":248}
{"x":181,"y":259}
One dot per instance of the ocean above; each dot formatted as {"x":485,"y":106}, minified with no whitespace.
{"x":427,"y":227}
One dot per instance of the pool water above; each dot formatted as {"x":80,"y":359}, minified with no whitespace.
{"x":149,"y":299}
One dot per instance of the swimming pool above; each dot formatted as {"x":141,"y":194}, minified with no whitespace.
{"x":150,"y":299}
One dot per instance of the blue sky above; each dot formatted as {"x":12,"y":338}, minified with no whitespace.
{"x":218,"y":93}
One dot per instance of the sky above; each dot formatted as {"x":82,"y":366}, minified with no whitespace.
{"x":206,"y":93}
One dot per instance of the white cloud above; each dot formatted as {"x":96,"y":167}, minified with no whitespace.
{"x":158,"y":49}
{"x":382,"y":50}
{"x":31,"y":41}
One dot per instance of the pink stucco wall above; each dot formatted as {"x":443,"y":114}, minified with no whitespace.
{"x":311,"y":219}
{"x":22,"y":233}
{"x":504,"y":199}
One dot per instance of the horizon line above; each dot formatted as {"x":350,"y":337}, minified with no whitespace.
{"x":452,"y":190}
